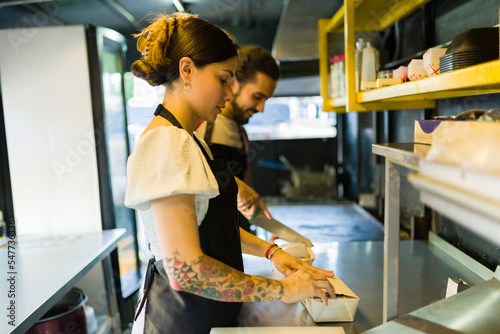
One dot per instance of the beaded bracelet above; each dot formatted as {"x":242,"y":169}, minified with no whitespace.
{"x":268,"y":249}
{"x":274,"y":251}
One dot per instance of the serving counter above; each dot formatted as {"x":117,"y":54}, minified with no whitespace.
{"x":423,"y":277}
{"x":45,"y":269}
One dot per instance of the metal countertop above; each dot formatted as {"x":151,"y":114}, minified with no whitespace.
{"x":424,"y":271}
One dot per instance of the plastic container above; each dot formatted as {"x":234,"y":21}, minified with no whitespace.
{"x":387,"y":74}
{"x":369,"y":63}
{"x":337,"y":76}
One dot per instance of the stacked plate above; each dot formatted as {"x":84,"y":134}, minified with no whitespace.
{"x":455,"y":61}
{"x":470,"y":48}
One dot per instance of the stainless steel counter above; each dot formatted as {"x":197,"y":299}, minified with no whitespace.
{"x":474,"y":310}
{"x":423,"y":277}
{"x":45,"y":269}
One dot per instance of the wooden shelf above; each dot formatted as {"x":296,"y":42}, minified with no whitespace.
{"x":474,"y":80}
{"x":367,"y":15}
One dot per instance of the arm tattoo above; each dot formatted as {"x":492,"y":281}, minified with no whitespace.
{"x":210,"y":278}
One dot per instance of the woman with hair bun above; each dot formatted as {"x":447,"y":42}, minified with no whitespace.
{"x":187,"y":200}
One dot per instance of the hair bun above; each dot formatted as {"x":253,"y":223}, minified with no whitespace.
{"x":143,"y":70}
{"x":170,"y":38}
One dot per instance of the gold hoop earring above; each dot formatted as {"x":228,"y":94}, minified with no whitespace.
{"x":186,"y":85}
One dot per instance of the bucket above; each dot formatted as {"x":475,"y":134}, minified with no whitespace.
{"x":67,"y":316}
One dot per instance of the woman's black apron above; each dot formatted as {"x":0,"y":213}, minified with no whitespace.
{"x":170,"y":311}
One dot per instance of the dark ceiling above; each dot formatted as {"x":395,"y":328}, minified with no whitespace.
{"x":251,"y":21}
{"x":288,"y":28}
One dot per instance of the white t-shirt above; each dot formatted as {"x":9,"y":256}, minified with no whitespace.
{"x":168,"y":161}
{"x":225,"y":132}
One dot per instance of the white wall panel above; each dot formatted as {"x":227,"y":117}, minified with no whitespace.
{"x":49,"y":127}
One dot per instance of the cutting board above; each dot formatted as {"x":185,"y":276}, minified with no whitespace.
{"x":278,"y":330}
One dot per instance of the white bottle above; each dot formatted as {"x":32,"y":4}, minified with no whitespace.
{"x":369,"y":63}
{"x":360,"y":44}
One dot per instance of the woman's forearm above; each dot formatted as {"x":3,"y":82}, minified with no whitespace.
{"x":210,"y":278}
{"x":250,"y":244}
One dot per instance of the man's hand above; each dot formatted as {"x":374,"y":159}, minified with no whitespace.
{"x":288,"y":264}
{"x":249,"y":201}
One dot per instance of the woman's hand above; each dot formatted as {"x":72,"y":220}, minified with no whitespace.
{"x":288,"y":265}
{"x":301,"y":285}
{"x":249,"y":201}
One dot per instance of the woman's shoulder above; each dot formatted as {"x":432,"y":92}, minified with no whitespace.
{"x":163,"y":142}
{"x":161,"y":133}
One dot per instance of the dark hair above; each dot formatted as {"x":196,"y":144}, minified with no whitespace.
{"x":254,"y":59}
{"x":233,"y":38}
{"x":169,"y":38}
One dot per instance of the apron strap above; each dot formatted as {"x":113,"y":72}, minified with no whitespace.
{"x":147,"y":285}
{"x":165,"y":113}
{"x":202,"y":148}
{"x":209,"y":131}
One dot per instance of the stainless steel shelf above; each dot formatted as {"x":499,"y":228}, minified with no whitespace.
{"x":480,"y":214}
{"x":396,"y":155}
{"x":46,"y":269}
{"x":404,"y":154}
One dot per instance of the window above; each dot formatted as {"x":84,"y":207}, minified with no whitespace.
{"x":292,"y":118}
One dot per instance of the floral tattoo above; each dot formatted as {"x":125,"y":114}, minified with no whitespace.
{"x":210,"y":278}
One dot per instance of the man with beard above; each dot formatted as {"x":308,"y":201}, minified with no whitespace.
{"x":256,"y":77}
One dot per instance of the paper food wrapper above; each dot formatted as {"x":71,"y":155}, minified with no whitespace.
{"x":401,"y":72}
{"x":431,"y":60}
{"x":416,"y":70}
{"x":469,"y":145}
{"x":341,"y":309}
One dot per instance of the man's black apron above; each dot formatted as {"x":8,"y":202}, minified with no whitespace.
{"x":237,"y":157}
{"x":170,"y":311}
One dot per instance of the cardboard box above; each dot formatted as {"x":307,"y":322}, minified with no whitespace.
{"x":424,"y":130}
{"x":388,"y":82}
{"x":340,"y":309}
{"x":367,"y":85}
